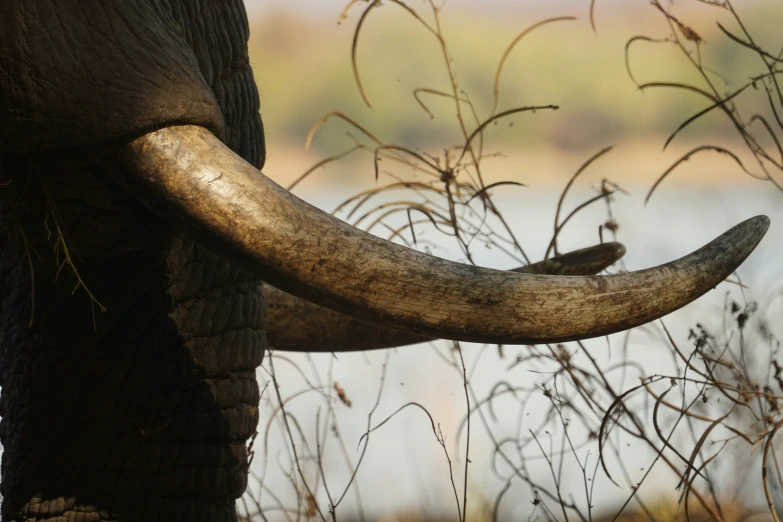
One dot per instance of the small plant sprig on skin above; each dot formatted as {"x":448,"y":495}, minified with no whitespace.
{"x":61,"y":249}
{"x":56,"y":233}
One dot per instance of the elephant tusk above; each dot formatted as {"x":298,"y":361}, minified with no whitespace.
{"x":293,"y":324}
{"x":585,"y":261}
{"x":186,"y":175}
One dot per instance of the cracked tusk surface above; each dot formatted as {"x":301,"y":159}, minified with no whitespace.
{"x":189,"y":177}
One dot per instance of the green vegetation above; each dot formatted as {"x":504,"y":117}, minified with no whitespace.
{"x":563,"y":63}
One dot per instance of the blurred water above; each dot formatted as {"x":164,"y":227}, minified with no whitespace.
{"x":405,"y":469}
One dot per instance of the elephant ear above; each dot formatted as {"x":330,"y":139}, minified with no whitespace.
{"x":74,"y":73}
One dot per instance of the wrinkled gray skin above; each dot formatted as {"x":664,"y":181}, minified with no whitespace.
{"x":144,"y":412}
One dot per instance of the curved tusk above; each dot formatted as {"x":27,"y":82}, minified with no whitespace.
{"x":296,"y":325}
{"x":188,"y":176}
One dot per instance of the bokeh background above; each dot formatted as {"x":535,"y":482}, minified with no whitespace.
{"x":301,"y":53}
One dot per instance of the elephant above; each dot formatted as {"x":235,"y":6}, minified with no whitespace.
{"x":137,"y":229}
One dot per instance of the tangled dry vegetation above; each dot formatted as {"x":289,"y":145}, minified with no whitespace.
{"x":758,"y":130}
{"x":711,"y":423}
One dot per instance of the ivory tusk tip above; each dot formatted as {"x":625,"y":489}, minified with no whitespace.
{"x":613,"y":250}
{"x":753,"y":229}
{"x":601,"y":256}
{"x":585,"y":261}
{"x":764,"y":220}
{"x":731,"y":248}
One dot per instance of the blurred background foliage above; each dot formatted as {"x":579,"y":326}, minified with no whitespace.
{"x":303,"y":64}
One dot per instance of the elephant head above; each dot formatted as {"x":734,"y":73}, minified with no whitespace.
{"x":137,"y":231}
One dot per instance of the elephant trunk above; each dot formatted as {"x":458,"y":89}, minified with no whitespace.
{"x":146,"y":417}
{"x":188,"y":176}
